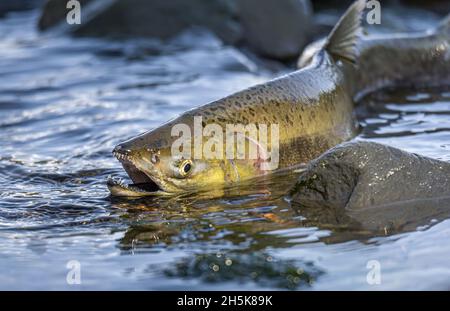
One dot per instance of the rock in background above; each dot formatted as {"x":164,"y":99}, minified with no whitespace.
{"x":54,"y":12}
{"x":7,"y":6}
{"x":275,"y":29}
{"x":278,"y":29}
{"x":146,"y":18}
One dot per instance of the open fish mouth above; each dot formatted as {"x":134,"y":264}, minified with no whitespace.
{"x":119,"y":188}
{"x":142,"y":185}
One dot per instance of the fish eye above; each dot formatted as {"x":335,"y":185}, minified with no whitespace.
{"x":185,"y":167}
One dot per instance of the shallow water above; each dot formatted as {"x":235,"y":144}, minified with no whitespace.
{"x":65,"y":103}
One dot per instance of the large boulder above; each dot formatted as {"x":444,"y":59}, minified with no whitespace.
{"x":277,"y":29}
{"x":378,"y":187}
{"x":146,"y":18}
{"x":17,"y":5}
{"x":54,"y":12}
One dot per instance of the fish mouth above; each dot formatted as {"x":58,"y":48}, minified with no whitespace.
{"x":142,"y":184}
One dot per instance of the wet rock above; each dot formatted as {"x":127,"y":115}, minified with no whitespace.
{"x":380,"y":187}
{"x":334,"y":4}
{"x":17,"y":5}
{"x":54,"y":12}
{"x":277,"y":29}
{"x":438,"y":6}
{"x":155,"y":18}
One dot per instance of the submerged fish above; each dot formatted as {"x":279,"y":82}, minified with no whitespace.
{"x":420,"y":59}
{"x":312,"y":107}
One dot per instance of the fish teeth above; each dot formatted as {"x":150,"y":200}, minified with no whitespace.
{"x":121,"y":156}
{"x":117,"y":181}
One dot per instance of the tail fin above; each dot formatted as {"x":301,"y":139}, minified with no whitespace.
{"x":341,"y":43}
{"x":444,"y":26}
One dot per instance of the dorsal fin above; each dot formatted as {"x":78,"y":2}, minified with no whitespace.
{"x":444,"y":26}
{"x":342,"y":41}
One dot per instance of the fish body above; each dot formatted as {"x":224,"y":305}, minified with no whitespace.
{"x":312,"y":109}
{"x":406,"y":59}
{"x":413,"y":60}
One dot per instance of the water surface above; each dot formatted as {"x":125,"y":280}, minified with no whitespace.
{"x":64,"y":104}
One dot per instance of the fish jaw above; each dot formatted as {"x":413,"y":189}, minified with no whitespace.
{"x":153,"y":172}
{"x":143,"y":177}
{"x":118,"y":188}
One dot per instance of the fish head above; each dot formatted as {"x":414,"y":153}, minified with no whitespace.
{"x":154,"y":169}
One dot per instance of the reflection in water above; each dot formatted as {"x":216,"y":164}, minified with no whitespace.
{"x":234,"y":224}
{"x":237,"y":220}
{"x":257,"y":267}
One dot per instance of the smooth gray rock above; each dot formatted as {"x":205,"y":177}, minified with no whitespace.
{"x":7,"y":6}
{"x":148,"y":18}
{"x":54,"y":12}
{"x":277,"y":29}
{"x":380,"y":188}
